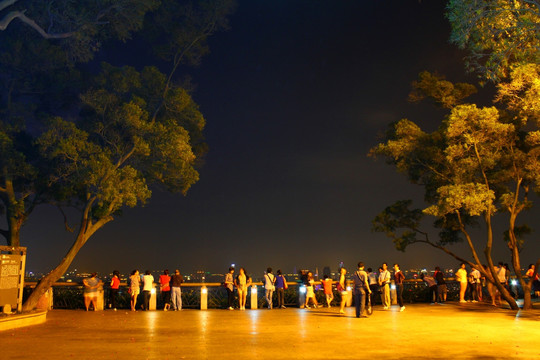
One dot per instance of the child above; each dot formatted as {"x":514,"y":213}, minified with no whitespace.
{"x":327,"y":285}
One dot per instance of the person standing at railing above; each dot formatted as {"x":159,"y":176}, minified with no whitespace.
{"x":165,"y":289}
{"x":432,"y":287}
{"x":148,"y":285}
{"x":398,"y":280}
{"x":441,"y":285}
{"x":475,"y":285}
{"x":281,"y":286}
{"x":229,"y":285}
{"x":176,"y":290}
{"x":269,"y":286}
{"x":134,"y":288}
{"x":242,"y":282}
{"x":91,"y":287}
{"x":328,"y":293}
{"x":115,"y":286}
{"x":342,"y":288}
{"x":384,"y":283}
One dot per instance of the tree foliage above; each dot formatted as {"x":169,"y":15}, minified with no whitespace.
{"x":98,"y":141}
{"x":499,"y":34}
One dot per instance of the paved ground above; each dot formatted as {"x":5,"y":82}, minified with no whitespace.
{"x":447,"y":331}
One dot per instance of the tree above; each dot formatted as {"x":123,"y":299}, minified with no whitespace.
{"x":500,"y":34}
{"x":69,"y":137}
{"x":479,"y":162}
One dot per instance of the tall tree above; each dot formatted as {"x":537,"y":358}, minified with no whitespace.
{"x":479,"y":162}
{"x":71,"y":138}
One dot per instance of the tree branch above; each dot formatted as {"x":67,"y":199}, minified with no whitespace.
{"x":5,"y":3}
{"x":4,"y":23}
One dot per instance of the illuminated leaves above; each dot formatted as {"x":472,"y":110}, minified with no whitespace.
{"x":500,"y":34}
{"x":473,"y":198}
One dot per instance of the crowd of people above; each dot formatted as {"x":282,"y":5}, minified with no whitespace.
{"x":365,"y":286}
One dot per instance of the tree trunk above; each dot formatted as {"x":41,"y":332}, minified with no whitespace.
{"x":527,"y":301}
{"x":48,"y":280}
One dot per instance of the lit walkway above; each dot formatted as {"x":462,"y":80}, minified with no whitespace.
{"x":420,"y":332}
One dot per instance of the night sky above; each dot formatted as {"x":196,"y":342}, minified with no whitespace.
{"x":294,"y":94}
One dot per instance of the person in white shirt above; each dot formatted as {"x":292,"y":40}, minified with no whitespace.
{"x":476,"y":285}
{"x":461,"y":276}
{"x":384,"y":283}
{"x":269,"y":287}
{"x":148,"y":284}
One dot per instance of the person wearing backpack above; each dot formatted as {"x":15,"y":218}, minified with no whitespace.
{"x":361,"y":287}
{"x":269,"y":287}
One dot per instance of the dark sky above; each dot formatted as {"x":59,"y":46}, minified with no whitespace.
{"x":294,"y":94}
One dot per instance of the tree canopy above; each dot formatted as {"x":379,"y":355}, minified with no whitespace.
{"x":96,"y":140}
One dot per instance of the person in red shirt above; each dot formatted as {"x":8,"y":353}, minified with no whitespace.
{"x":398,"y":280}
{"x":327,"y":285}
{"x":115,"y":285}
{"x":165,"y":288}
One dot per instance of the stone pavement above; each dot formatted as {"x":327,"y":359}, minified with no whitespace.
{"x":450,"y":331}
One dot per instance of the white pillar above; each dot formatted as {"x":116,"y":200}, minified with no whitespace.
{"x":204,"y":298}
{"x":254,"y":298}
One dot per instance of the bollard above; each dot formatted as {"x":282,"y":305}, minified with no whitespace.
{"x":301,"y":296}
{"x":254,"y":300}
{"x":204,"y":298}
{"x":100,"y":300}
{"x":349,"y":296}
{"x":153,"y":301}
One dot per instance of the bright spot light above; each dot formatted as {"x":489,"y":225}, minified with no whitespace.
{"x":393,"y":287}
{"x":514,"y":282}
{"x":348,"y":288}
{"x":254,"y":290}
{"x":153,"y":291}
{"x":302,"y":289}
{"x":233,"y":265}
{"x":204,"y":290}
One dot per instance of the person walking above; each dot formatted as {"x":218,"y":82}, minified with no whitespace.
{"x":148,"y":285}
{"x":242,"y":282}
{"x":269,"y":286}
{"x":398,"y":280}
{"x":384,"y":283}
{"x":91,"y":288}
{"x":115,"y":286}
{"x":176,"y":290}
{"x":535,"y":286}
{"x":361,"y":288}
{"x":165,"y":289}
{"x":342,"y":288}
{"x":229,"y":285}
{"x":281,"y":286}
{"x":310,"y":293}
{"x":461,"y":277}
{"x":134,"y":288}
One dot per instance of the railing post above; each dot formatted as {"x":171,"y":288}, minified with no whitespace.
{"x":254,"y":297}
{"x":301,"y":295}
{"x":100,"y":299}
{"x":349,"y":295}
{"x":204,"y":298}
{"x":153,"y":299}
{"x":393,"y":293}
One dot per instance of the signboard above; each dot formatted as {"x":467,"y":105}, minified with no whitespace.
{"x":10,"y":271}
